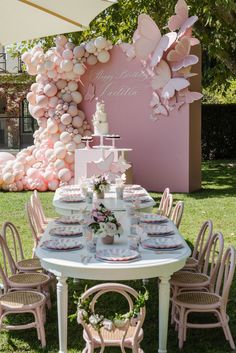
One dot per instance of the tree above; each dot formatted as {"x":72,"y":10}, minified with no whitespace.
{"x":216,"y":29}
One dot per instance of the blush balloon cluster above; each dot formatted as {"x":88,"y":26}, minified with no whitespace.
{"x":53,"y":102}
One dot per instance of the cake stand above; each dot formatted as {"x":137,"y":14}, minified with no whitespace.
{"x":113,"y":138}
{"x":101,"y":146}
{"x":87,"y":139}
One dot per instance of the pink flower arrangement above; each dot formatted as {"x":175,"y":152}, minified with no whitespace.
{"x":104,"y":222}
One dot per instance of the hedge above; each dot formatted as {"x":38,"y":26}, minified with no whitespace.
{"x":218,"y":131}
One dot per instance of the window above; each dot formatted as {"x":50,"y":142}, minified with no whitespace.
{"x":3,"y":105}
{"x":29,"y":124}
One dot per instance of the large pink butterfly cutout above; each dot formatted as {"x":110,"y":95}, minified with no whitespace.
{"x":157,"y":107}
{"x":179,"y":56}
{"x":148,"y":40}
{"x":181,"y":20}
{"x":162,"y":80}
{"x":190,"y":97}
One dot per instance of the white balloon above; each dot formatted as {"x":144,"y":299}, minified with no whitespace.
{"x":77,"y":97}
{"x":78,"y":69}
{"x":100,"y":42}
{"x":92,"y":59}
{"x":103,"y":56}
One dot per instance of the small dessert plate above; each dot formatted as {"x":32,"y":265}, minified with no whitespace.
{"x":66,"y":231}
{"x":74,"y":219}
{"x":152,"y":218}
{"x":61,"y":244}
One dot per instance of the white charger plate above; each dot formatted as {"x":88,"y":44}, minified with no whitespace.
{"x":74,"y":219}
{"x":152,"y":218}
{"x":117,"y":254}
{"x":161,"y":244}
{"x":61,"y":244}
{"x":66,"y":231}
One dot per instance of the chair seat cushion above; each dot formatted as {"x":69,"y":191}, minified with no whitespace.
{"x":21,"y":299}
{"x":29,"y":279}
{"x":197,"y":299}
{"x":29,"y":264}
{"x":189,"y":279}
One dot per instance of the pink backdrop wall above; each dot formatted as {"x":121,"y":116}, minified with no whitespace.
{"x":161,"y":150}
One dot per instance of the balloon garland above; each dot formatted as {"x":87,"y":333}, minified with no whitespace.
{"x":53,"y":102}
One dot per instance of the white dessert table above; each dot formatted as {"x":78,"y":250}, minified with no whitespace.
{"x":64,"y":264}
{"x":110,"y":201}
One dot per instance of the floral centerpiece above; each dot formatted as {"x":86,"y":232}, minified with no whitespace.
{"x":100,"y":184}
{"x":105,"y":223}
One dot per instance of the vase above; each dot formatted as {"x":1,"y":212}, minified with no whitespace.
{"x":100,"y":195}
{"x":108,"y":239}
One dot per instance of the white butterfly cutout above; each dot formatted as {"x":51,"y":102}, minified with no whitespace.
{"x":90,"y":94}
{"x":148,"y":40}
{"x":102,"y":165}
{"x":180,"y":57}
{"x":162,"y":80}
{"x":181,"y":20}
{"x":157,"y":107}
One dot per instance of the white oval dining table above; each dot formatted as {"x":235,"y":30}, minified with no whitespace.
{"x":64,"y":264}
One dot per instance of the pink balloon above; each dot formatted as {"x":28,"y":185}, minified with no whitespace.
{"x":6,"y":156}
{"x":64,"y":174}
{"x":42,"y":101}
{"x":53,"y":184}
{"x":50,"y":89}
{"x":53,"y":102}
{"x":38,"y":112}
{"x":31,"y":98}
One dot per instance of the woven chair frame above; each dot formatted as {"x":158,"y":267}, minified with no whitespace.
{"x":214,"y":302}
{"x":129,"y":337}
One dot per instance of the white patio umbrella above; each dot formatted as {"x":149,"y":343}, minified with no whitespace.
{"x":30,"y":19}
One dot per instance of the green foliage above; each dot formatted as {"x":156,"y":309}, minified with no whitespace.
{"x":218,"y":131}
{"x":216,"y":29}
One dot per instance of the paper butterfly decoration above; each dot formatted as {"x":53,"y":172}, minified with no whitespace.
{"x":158,"y":107}
{"x":167,"y":59}
{"x":150,"y":41}
{"x":101,"y":166}
{"x":181,"y":20}
{"x":90,"y":94}
{"x":180,"y":55}
{"x":163,"y":80}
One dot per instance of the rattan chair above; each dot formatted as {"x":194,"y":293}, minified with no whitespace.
{"x":38,"y":207}
{"x":12,"y":280}
{"x":163,"y":199}
{"x":34,"y":224}
{"x":167,"y":207}
{"x":128,"y":336}
{"x":214,"y":302}
{"x":24,"y":302}
{"x":203,"y":280}
{"x":13,"y":240}
{"x":177,"y":213}
{"x":200,"y":246}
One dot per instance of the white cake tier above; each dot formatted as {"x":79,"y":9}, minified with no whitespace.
{"x":100,"y":116}
{"x":101,"y":129}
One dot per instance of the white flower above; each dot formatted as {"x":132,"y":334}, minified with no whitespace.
{"x":81,"y":315}
{"x":95,"y":319}
{"x":111,"y":228}
{"x":108,"y":325}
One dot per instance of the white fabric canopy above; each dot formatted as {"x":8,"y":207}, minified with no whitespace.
{"x":30,"y":19}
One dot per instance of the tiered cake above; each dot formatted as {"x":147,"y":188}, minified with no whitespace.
{"x":100,"y":120}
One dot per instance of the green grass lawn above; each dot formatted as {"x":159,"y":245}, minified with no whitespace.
{"x":216,"y":201}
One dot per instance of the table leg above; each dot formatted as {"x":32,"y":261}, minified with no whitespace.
{"x":62,"y":309}
{"x":164,"y":299}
